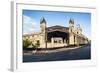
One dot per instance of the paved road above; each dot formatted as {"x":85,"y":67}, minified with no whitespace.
{"x":74,"y":54}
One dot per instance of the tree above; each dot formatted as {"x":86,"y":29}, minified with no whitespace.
{"x":35,"y":46}
{"x":26,"y":43}
{"x":38,"y":44}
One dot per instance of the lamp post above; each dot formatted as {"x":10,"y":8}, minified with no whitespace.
{"x":45,"y":37}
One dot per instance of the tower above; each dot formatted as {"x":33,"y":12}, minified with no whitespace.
{"x":71,"y":32}
{"x":71,"y":25}
{"x":43,"y":32}
{"x":79,"y":29}
{"x":79,"y":33}
{"x":43,"y":25}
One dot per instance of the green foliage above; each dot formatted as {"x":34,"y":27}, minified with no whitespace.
{"x":26,"y":43}
{"x":36,"y":45}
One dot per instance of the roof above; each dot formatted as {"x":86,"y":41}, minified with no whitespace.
{"x":31,"y":34}
{"x":58,"y":28}
{"x":50,"y":29}
{"x":71,"y":21}
{"x":42,"y":20}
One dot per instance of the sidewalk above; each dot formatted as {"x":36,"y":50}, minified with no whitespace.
{"x":56,"y":50}
{"x":50,"y":51}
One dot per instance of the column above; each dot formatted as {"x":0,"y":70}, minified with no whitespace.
{"x":64,"y":40}
{"x":52,"y":41}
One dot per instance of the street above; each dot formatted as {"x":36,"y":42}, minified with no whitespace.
{"x":81,"y":53}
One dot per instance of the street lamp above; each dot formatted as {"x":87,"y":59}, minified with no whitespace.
{"x":45,"y":37}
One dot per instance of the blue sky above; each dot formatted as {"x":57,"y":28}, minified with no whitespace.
{"x":31,"y":20}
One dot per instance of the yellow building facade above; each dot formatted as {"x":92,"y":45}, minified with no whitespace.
{"x":57,"y":36}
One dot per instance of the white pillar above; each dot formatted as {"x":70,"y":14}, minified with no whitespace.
{"x":52,"y":41}
{"x":64,"y":40}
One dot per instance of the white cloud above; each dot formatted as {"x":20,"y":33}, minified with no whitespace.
{"x":29,"y":24}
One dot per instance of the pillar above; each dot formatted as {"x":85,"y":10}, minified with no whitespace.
{"x":52,"y":41}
